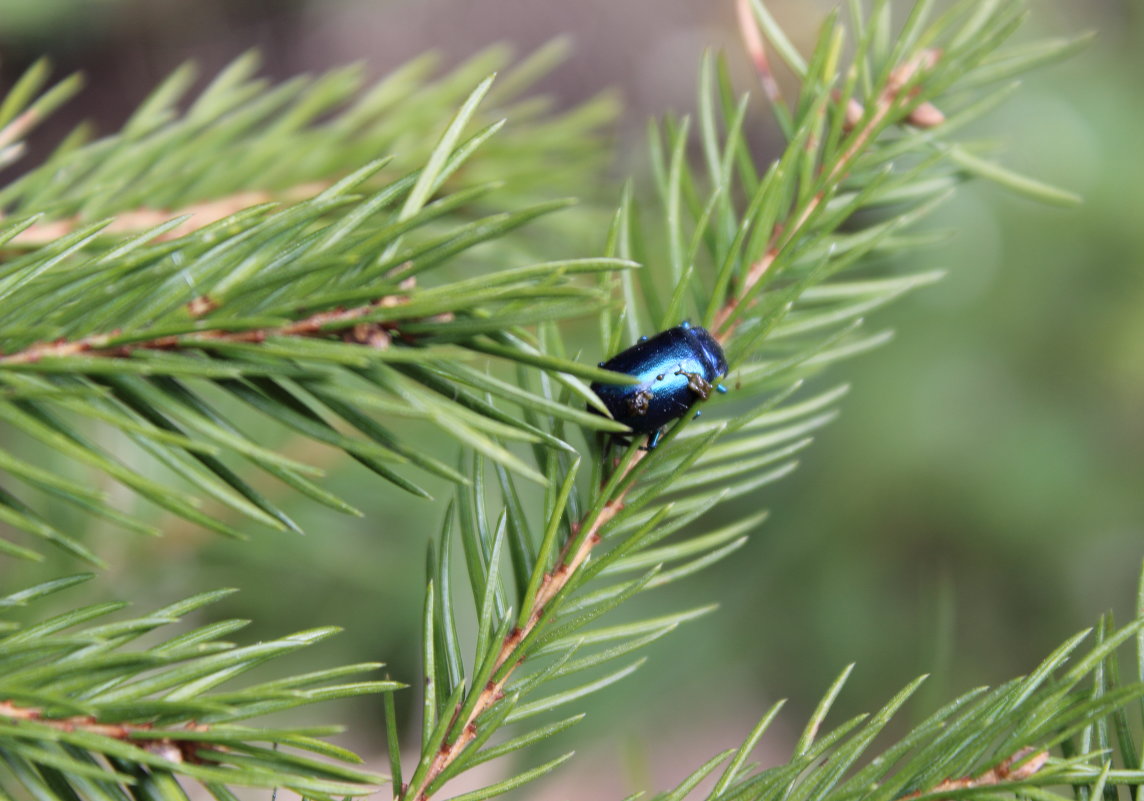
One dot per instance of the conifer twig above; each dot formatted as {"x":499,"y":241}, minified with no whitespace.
{"x":170,"y":748}
{"x":1028,"y":760}
{"x":568,"y":563}
{"x":321,"y":324}
{"x":199,"y":215}
{"x":903,"y":83}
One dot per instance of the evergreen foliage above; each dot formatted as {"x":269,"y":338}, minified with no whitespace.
{"x":273,"y":306}
{"x":319,"y":282}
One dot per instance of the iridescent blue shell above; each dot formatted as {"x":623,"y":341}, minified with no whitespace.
{"x":675,"y":368}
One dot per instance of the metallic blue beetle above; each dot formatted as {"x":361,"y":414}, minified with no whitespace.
{"x":676,"y":368}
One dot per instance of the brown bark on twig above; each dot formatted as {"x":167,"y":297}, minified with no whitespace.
{"x":321,"y":324}
{"x":135,"y":220}
{"x":924,"y":115}
{"x":170,"y":748}
{"x":567,"y":565}
{"x":1031,"y":761}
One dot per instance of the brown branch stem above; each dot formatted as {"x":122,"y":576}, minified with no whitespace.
{"x":171,"y":748}
{"x":1030,"y":761}
{"x":320,"y":324}
{"x":785,"y":234}
{"x":568,"y":564}
{"x":199,"y":215}
{"x":924,"y":115}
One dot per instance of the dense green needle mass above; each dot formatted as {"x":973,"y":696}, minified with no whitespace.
{"x":319,"y":293}
{"x":83,"y":712}
{"x":375,"y":270}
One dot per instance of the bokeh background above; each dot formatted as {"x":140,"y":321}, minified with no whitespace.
{"x":980,"y":498}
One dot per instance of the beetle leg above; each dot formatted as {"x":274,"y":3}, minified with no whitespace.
{"x":654,"y":439}
{"x":722,"y":390}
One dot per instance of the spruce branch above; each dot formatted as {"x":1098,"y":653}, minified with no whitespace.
{"x":1016,"y":768}
{"x":544,"y":588}
{"x":242,"y":142}
{"x":347,"y":322}
{"x":289,"y":309}
{"x":761,"y":259}
{"x":999,"y":740}
{"x":191,"y":218}
{"x":81,"y":712}
{"x":893,"y":103}
{"x":331,"y":314}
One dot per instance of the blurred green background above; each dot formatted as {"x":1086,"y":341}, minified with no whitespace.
{"x":980,"y":498}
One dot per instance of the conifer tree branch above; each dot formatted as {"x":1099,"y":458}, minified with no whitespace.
{"x":893,"y":103}
{"x":1016,"y":768}
{"x":242,"y":141}
{"x":574,"y":554}
{"x":276,"y":306}
{"x":169,"y":746}
{"x":292,"y":311}
{"x":346,"y":322}
{"x":83,"y":714}
{"x":781,"y":312}
{"x":197,"y":215}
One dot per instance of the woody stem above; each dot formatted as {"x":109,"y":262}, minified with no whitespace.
{"x":462,"y":732}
